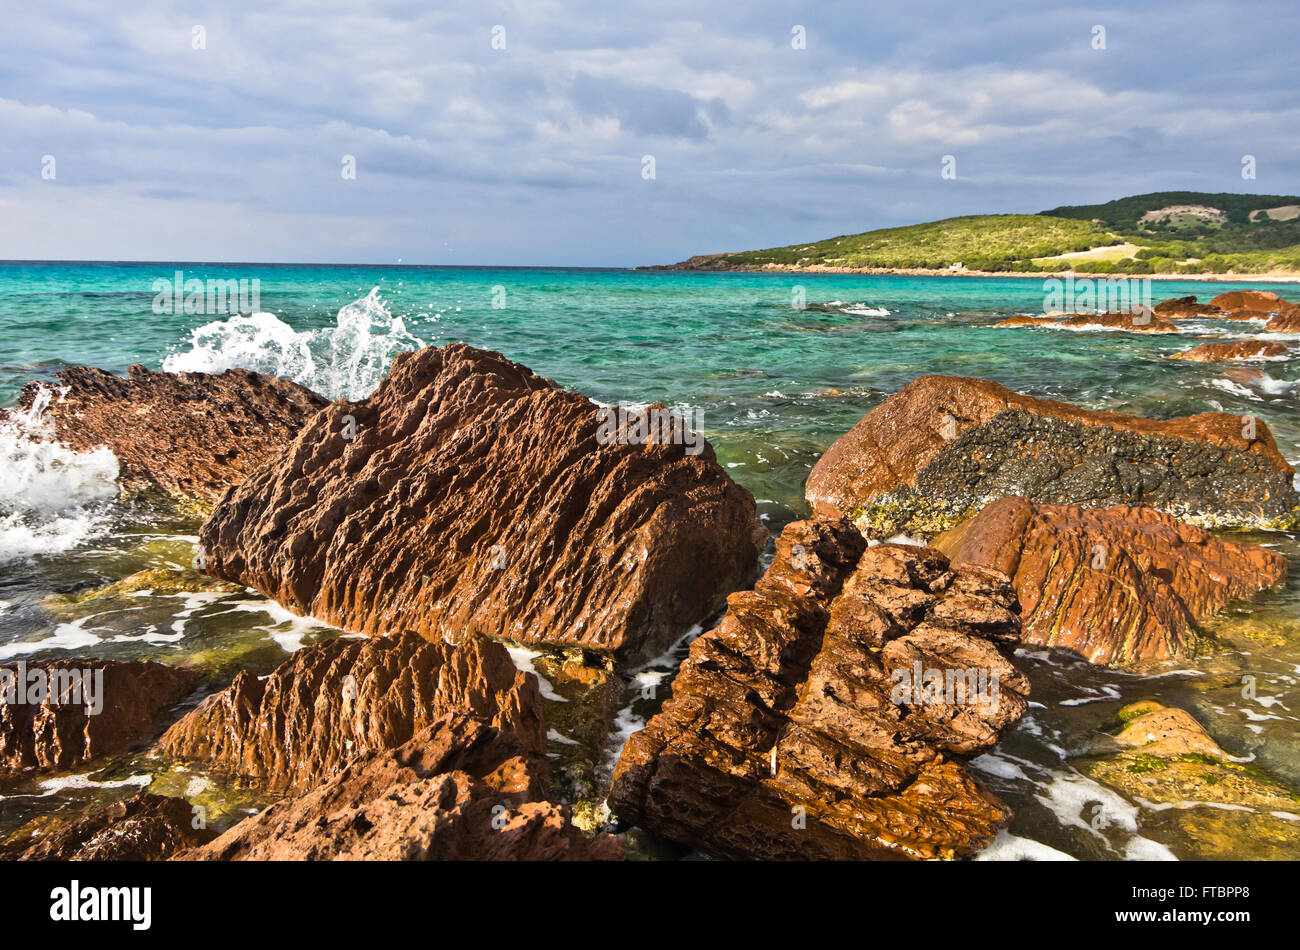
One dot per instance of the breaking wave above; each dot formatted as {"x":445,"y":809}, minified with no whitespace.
{"x":51,"y":498}
{"x":345,"y":361}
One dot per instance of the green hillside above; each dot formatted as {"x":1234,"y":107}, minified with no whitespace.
{"x":981,"y":242}
{"x":1186,"y":232}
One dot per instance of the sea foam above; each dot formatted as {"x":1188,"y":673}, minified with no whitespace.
{"x":345,"y":361}
{"x":51,"y":498}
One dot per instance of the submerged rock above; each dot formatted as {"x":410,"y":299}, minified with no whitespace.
{"x":67,"y":712}
{"x":1135,"y":322}
{"x":458,"y":790}
{"x":1114,"y":585}
{"x":1206,"y":805}
{"x":144,"y":828}
{"x":190,"y":433}
{"x":469,"y":495}
{"x":1235,"y":350}
{"x":826,"y":716}
{"x":943,"y":447}
{"x":347,"y":698}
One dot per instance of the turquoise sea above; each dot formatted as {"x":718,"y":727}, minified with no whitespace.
{"x":770,"y":384}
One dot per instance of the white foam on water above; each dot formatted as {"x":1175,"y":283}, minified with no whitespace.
{"x":66,"y":636}
{"x":345,"y":361}
{"x":286,"y":628}
{"x":51,"y":498}
{"x":523,"y":659}
{"x":1009,"y":847}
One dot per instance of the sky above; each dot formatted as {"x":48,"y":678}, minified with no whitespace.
{"x":608,"y":133}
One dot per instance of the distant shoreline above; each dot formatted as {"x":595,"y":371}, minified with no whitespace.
{"x":1286,"y":277}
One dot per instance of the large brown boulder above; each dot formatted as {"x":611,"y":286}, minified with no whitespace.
{"x":459,"y":790}
{"x":90,"y":709}
{"x":474,"y":496}
{"x":190,"y":433}
{"x":144,"y":828}
{"x":827,"y":715}
{"x":1136,"y":322}
{"x":1242,"y":304}
{"x":1115,"y":585}
{"x":1234,"y":350}
{"x":336,"y":701}
{"x":943,"y":447}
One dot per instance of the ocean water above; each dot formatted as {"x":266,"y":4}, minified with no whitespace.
{"x":770,"y":384}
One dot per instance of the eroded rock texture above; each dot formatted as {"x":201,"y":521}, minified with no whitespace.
{"x":144,"y":828}
{"x":793,"y":730}
{"x":475,"y":497}
{"x":1114,"y":585}
{"x":943,"y":447}
{"x":348,"y":698}
{"x":459,"y":790}
{"x":61,"y":732}
{"x":192,"y":433}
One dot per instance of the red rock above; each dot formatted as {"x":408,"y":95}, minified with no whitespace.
{"x":943,"y":447}
{"x":192,"y":433}
{"x":1022,"y":320}
{"x":1234,"y":350}
{"x":135,"y":702}
{"x":1234,"y":302}
{"x":475,"y":498}
{"x":1116,"y":585}
{"x":1135,"y":322}
{"x":144,"y":828}
{"x":1287,"y":320}
{"x":336,"y":701}
{"x":1178,"y":308}
{"x":459,"y":790}
{"x":793,"y":702}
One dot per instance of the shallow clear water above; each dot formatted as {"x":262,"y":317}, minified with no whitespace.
{"x":770,"y":385}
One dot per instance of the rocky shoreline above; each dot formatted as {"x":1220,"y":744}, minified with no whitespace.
{"x":469,"y":512}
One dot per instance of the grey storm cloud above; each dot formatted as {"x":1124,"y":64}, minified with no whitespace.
{"x":646,"y":109}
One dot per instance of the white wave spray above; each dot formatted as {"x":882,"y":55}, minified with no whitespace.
{"x":345,"y":361}
{"x":51,"y":498}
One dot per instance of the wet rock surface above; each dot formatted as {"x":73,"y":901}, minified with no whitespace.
{"x":1115,"y":585}
{"x":59,"y":730}
{"x":1246,"y":304}
{"x":458,"y":790}
{"x":144,"y":828}
{"x":190,"y":433}
{"x":944,"y":446}
{"x":793,"y":730}
{"x":1235,"y":350}
{"x":1180,"y":308}
{"x":475,"y":497}
{"x":348,"y":698}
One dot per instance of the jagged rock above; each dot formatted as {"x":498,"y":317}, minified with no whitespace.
{"x":943,"y":447}
{"x":336,"y":701}
{"x":793,"y":730}
{"x":1114,"y":585}
{"x":144,"y":828}
{"x":62,"y":732}
{"x":1135,"y":322}
{"x":1287,"y":320}
{"x":459,"y":790}
{"x":1235,"y":350}
{"x":1178,"y":308}
{"x":476,"y":498}
{"x":1245,"y":304}
{"x":191,"y":433}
